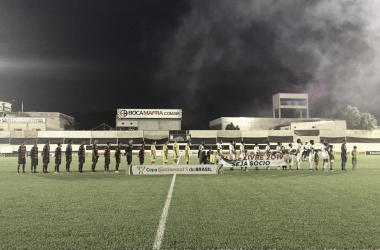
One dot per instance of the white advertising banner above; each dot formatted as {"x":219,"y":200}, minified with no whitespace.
{"x":21,"y":120}
{"x":257,"y":161}
{"x":174,"y":169}
{"x":150,"y":113}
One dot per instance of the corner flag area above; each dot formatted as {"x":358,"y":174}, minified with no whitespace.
{"x":249,"y":210}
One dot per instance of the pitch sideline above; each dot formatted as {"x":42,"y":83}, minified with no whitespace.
{"x":164,"y":215}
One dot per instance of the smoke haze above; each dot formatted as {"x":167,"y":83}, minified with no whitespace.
{"x":249,"y":50}
{"x":211,"y":58}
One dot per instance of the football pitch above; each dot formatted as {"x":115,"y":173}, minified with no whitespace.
{"x":248,"y":210}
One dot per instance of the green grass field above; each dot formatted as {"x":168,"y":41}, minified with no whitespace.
{"x":251,"y":210}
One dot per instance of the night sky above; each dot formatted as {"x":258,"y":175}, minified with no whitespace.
{"x":210,"y":58}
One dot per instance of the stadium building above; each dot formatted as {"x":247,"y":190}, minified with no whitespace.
{"x":161,"y":125}
{"x":287,"y":108}
{"x":32,"y":121}
{"x":35,"y":121}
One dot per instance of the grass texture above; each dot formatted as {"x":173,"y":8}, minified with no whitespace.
{"x":249,"y":210}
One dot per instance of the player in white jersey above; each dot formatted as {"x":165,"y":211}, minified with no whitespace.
{"x":267,"y":151}
{"x":243,"y":154}
{"x":322,"y":145}
{"x":256,"y":151}
{"x":325,"y":154}
{"x":290,"y":153}
{"x":311,"y":154}
{"x":242,"y":150}
{"x":305,"y":149}
{"x":219,"y":148}
{"x":232,"y":152}
{"x":278,"y":151}
{"x":299,"y":154}
{"x":283,"y":153}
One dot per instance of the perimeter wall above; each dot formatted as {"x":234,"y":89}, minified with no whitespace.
{"x":364,"y":140}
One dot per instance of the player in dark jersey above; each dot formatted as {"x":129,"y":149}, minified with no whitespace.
{"x":343,"y":155}
{"x":118,"y":156}
{"x":128,"y":152}
{"x":107,"y":158}
{"x":57,"y":156}
{"x":69,"y":156}
{"x":34,"y":158}
{"x":142,"y":154}
{"x":46,"y":157}
{"x":95,"y":156}
{"x":21,"y":157}
{"x":81,"y":156}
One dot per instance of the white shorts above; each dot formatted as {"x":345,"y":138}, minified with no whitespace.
{"x":325,"y":156}
{"x":332,"y":160}
{"x":299,"y":157}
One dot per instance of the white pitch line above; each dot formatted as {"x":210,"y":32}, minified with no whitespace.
{"x":164,"y":215}
{"x":178,"y":160}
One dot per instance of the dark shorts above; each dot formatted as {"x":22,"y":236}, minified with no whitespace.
{"x":57,"y":161}
{"x":95,"y":159}
{"x":69,"y":159}
{"x":107,"y":161}
{"x":82,"y":159}
{"x":118,"y":160}
{"x":21,"y":160}
{"x":46,"y":159}
{"x":141,"y":160}
{"x":34,"y":161}
{"x":129,"y":159}
{"x":344,"y":158}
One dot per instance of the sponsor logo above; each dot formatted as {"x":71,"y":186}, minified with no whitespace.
{"x":195,"y":169}
{"x":171,"y":169}
{"x":179,"y":137}
{"x":22,"y":120}
{"x":8,"y":155}
{"x":372,"y":152}
{"x":123,"y":113}
{"x":141,"y":169}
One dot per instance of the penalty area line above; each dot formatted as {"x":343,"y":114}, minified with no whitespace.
{"x":164,"y":215}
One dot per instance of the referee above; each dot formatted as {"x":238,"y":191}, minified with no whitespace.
{"x":128,"y":152}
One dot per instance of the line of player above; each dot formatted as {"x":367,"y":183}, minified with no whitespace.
{"x":302,"y":149}
{"x":209,"y":157}
{"x":95,"y":156}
